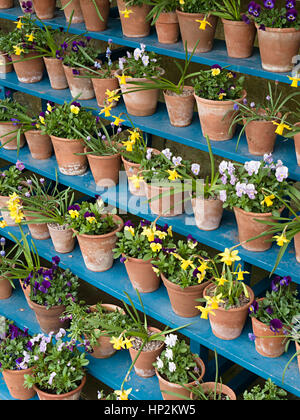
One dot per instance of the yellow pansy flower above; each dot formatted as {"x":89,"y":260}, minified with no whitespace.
{"x":155,"y":247}
{"x":74,"y":109}
{"x":215,"y":72}
{"x":136,"y":180}
{"x":170,"y":232}
{"x":91,"y":219}
{"x":49,"y":108}
{"x":156,"y":270}
{"x":160,"y":234}
{"x":203,"y":24}
{"x":150,"y":233}
{"x":228,"y":257}
{"x":281,"y":239}
{"x":182,"y":2}
{"x":126,"y":13}
{"x":173,"y":175}
{"x":280,"y":127}
{"x":221,"y":96}
{"x":74,"y":214}
{"x":130,"y":229}
{"x":123,"y":395}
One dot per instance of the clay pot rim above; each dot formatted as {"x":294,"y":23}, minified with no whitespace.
{"x":137,"y":165}
{"x":54,"y":228}
{"x":18,"y":372}
{"x":186,"y":290}
{"x":220,"y":387}
{"x":152,"y":329}
{"x":64,"y":140}
{"x":215,"y":102}
{"x":200,"y":364}
{"x":106,"y":235}
{"x":106,"y":157}
{"x":61,"y":396}
{"x":257,"y":215}
{"x":51,"y":58}
{"x":232,"y":310}
{"x":136,"y":260}
{"x":279,"y":30}
{"x":192,"y":90}
{"x":236,"y":22}
{"x":110,"y":307}
{"x":140,"y":79}
{"x":162,"y":15}
{"x":180,"y":12}
{"x":37,"y":306}
{"x":253,"y":319}
{"x":10,"y":122}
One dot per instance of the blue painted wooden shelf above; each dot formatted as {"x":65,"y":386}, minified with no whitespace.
{"x":224,"y":237}
{"x":157,"y":305}
{"x":110,"y":371}
{"x":251,"y":66}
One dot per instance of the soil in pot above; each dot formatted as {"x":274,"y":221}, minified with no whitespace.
{"x":180,"y":107}
{"x":228,"y":324}
{"x":208,"y":212}
{"x":14,"y":380}
{"x":44,"y":9}
{"x":92,"y":20}
{"x":39,"y":144}
{"x":141,"y":275}
{"x":74,"y":8}
{"x":239,"y":37}
{"x":69,"y":163}
{"x":165,"y":385}
{"x":5,"y":64}
{"x":144,"y":364}
{"x":167,"y":28}
{"x":136,"y":24}
{"x":105,"y":169}
{"x":8,"y":136}
{"x":30,"y":71}
{"x":70,"y":396}
{"x":62,"y":238}
{"x":81,"y":88}
{"x":56,"y":73}
{"x":183,"y":301}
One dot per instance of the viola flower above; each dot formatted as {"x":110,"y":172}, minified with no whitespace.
{"x":269,"y":4}
{"x":251,"y":337}
{"x":223,"y":195}
{"x":276,"y":325}
{"x":291,"y":15}
{"x":281,"y":173}
{"x":253,"y":308}
{"x":195,"y":168}
{"x":20,"y":166}
{"x":285,"y":281}
{"x":269,"y":310}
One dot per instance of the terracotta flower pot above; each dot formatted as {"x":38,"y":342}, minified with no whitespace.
{"x":70,"y":396}
{"x":75,"y":5}
{"x":249,"y":228}
{"x":228,"y":324}
{"x":6,"y":214}
{"x":6,"y":4}
{"x":144,"y":365}
{"x":261,"y":137}
{"x":183,"y":301}
{"x":239,"y":37}
{"x":104,"y":349}
{"x":8,"y":137}
{"x":97,"y":249}
{"x":191,"y":32}
{"x":100,"y":88}
{"x":5,"y":64}
{"x":167,"y":28}
{"x":38,"y":231}
{"x":168,"y":205}
{"x":297,"y":145}
{"x":136,"y":25}
{"x":277,"y":48}
{"x":142,"y":103}
{"x":5,"y":288}
{"x":105,"y":169}
{"x":92,"y":20}
{"x":297,"y":246}
{"x":14,"y":380}
{"x":208,"y":213}
{"x":26,"y":292}
{"x":134,"y":169}
{"x":44,"y":9}
{"x":30,"y":71}
{"x":209,"y":387}
{"x":180,"y":107}
{"x":56,"y":73}
{"x":216,"y":118}
{"x":62,"y":238}
{"x":69,"y":163}
{"x":176,"y":388}
{"x":267,"y":343}
{"x":81,"y":88}
{"x":298,"y":351}
{"x":49,"y":319}
{"x":141,"y":275}
{"x":39,"y":144}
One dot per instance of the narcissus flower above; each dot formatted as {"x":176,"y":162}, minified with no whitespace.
{"x":118,"y":343}
{"x":106,"y":110}
{"x":19,"y":24}
{"x":294,"y":81}
{"x":228,"y":257}
{"x":268,"y":200}
{"x":203,"y":23}
{"x":205,"y":311}
{"x":30,"y":37}
{"x":122,"y":79}
{"x":123,"y":395}
{"x":126,"y":13}
{"x":18,"y":50}
{"x":173,"y":175}
{"x":281,"y":239}
{"x":280,"y":127}
{"x":136,"y":180}
{"x":118,"y":121}
{"x":186,"y":264}
{"x":3,"y":224}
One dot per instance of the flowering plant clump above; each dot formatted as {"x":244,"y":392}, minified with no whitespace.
{"x":279,"y":307}
{"x":196,"y":6}
{"x":17,"y":349}
{"x":90,"y":219}
{"x":82,"y":54}
{"x":51,"y":286}
{"x":274,"y":16}
{"x":256,"y":186}
{"x":59,"y":367}
{"x":218,"y":84}
{"x":62,"y":120}
{"x":11,"y":179}
{"x":134,"y":147}
{"x":9,"y":110}
{"x":146,"y":241}
{"x":139,"y":64}
{"x":177,"y":363}
{"x":268,"y":392}
{"x":185,"y":264}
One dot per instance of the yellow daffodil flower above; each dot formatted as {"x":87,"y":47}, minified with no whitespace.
{"x":112,"y":95}
{"x":117,"y":121}
{"x":123,"y":395}
{"x":126,"y":13}
{"x":182,"y":2}
{"x":203,"y":267}
{"x":18,"y":50}
{"x":127,"y":343}
{"x":281,"y":239}
{"x":221,"y":281}
{"x":30,"y":37}
{"x":19,"y":24}
{"x":203,"y":24}
{"x":122,"y":79}
{"x":118,"y":343}
{"x":268,"y":200}
{"x":280,"y":127}
{"x":3,"y":224}
{"x":74,"y":109}
{"x":201,"y":277}
{"x":134,"y":135}
{"x":173,"y":175}
{"x":205,"y":311}
{"x":128,"y":144}
{"x":106,"y":110}
{"x":228,"y":257}
{"x":213,"y":301}
{"x":240,"y":274}
{"x":294,"y":81}
{"x":186,"y":264}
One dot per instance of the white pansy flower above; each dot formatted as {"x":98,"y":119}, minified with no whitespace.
{"x":172,"y":367}
{"x":171,"y":340}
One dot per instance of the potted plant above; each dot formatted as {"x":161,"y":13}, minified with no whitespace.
{"x":62,"y":379}
{"x":278,"y":34}
{"x":263,"y":121}
{"x":95,"y":13}
{"x":266,"y":392}
{"x":185,"y":271}
{"x":197,"y":23}
{"x":72,"y":11}
{"x":240,"y":31}
{"x":217,"y":91}
{"x":18,"y":353}
{"x":44,"y":9}
{"x":8,"y":259}
{"x":176,"y":369}
{"x":140,"y":66}
{"x":96,"y":233}
{"x":139,"y":247}
{"x":59,"y":123}
{"x":102,"y":151}
{"x":10,"y":181}
{"x":5,"y":59}
{"x":86,"y":326}
{"x":133,"y":15}
{"x":272,"y":315}
{"x":227,"y":299}
{"x":253,"y":191}
{"x":164,"y":17}
{"x":23,"y":46}
{"x":11,"y":133}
